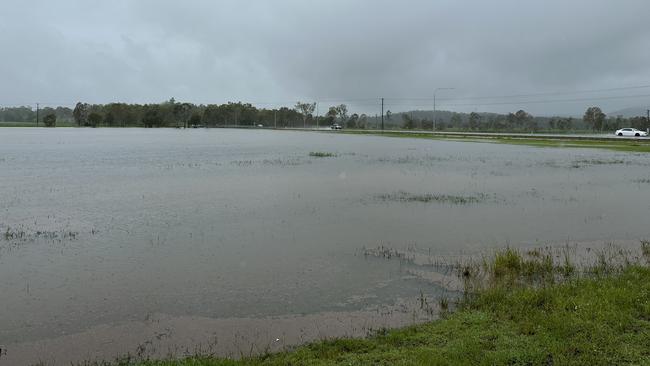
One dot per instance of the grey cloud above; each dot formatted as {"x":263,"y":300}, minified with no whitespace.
{"x":279,"y":51}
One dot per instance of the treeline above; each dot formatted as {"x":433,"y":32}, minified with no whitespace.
{"x":27,"y":114}
{"x":521,"y":121}
{"x":175,"y":114}
{"x":474,"y":121}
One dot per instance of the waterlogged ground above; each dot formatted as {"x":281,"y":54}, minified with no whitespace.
{"x":132,"y":240}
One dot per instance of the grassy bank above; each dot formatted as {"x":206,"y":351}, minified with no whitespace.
{"x":630,"y":145}
{"x":33,"y":124}
{"x":532,"y":308}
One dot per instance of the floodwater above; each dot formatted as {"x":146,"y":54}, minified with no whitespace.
{"x":103,"y":230}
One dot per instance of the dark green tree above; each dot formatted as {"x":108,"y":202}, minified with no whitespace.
{"x":80,"y":114}
{"x":195,"y":120}
{"x":474,"y":120}
{"x":94,"y":119}
{"x":595,"y":118}
{"x":342,"y":113}
{"x":152,"y":116}
{"x":49,"y":120}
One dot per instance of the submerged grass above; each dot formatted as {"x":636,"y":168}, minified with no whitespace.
{"x":530,"y":309}
{"x":403,"y":196}
{"x":321,"y":154}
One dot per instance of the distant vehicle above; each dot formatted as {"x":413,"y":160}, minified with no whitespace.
{"x":260,"y":125}
{"x":630,"y":132}
{"x":336,"y":126}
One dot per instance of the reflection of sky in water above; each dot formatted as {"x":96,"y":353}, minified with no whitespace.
{"x":228,"y":223}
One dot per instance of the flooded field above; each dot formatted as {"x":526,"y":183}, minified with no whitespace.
{"x":111,"y":239}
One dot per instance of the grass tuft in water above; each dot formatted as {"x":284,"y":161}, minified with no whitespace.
{"x":321,"y":154}
{"x":402,"y":196}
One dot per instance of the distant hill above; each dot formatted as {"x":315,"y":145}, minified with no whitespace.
{"x":629,"y":112}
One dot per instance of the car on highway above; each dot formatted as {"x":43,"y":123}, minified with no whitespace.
{"x":630,"y":132}
{"x":336,"y":126}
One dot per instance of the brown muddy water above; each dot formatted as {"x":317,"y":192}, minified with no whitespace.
{"x":159,"y":242}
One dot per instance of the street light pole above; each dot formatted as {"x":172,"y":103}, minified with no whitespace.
{"x":382,"y":114}
{"x":434,"y":105}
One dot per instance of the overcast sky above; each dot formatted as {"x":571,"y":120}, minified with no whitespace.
{"x":354,"y":51}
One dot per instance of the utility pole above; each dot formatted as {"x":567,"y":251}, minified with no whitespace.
{"x":37,"y":106}
{"x":317,"y":124}
{"x":382,"y":114}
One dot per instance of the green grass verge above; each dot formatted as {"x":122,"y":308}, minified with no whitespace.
{"x":596,"y":321}
{"x":561,"y":141}
{"x":33,"y":124}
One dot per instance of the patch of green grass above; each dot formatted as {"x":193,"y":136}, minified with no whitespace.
{"x":626,"y":145}
{"x":616,"y":145}
{"x":602,"y":321}
{"x":583,"y":320}
{"x":321,"y":154}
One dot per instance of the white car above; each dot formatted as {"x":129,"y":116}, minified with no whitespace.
{"x":630,"y":132}
{"x":336,"y":126}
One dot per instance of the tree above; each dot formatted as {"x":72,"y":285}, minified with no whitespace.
{"x":80,"y":114}
{"x":363,"y":121}
{"x":474,"y":120}
{"x":152,"y":116}
{"x":521,"y":119}
{"x":213,"y":115}
{"x":407,"y":121}
{"x":565,"y":123}
{"x":640,"y":123}
{"x":109,"y":119}
{"x":594,"y":117}
{"x":342,"y":112}
{"x":182,"y":113}
{"x":353,"y":121}
{"x":331,"y":115}
{"x":94,"y":119}
{"x":306,"y":110}
{"x":50,"y":120}
{"x":456,"y":120}
{"x":195,"y":120}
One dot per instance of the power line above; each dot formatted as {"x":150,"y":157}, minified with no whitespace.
{"x":533,"y":94}
{"x":546,"y":101}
